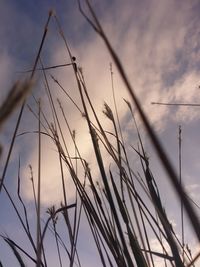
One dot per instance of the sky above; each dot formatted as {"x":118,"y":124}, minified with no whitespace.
{"x":159,"y":46}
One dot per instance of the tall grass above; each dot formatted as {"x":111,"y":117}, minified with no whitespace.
{"x":123,"y":208}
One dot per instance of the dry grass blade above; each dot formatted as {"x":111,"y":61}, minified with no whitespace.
{"x":22,"y":202}
{"x":68,"y":96}
{"x":54,"y":218}
{"x":16,"y":253}
{"x":49,"y":219}
{"x":161,"y":255}
{"x":194,"y":260}
{"x":48,"y":68}
{"x":20,"y":218}
{"x":12,"y":244}
{"x":163,"y":218}
{"x":176,"y":104}
{"x":39,"y":191}
{"x":17,"y":95}
{"x":139,"y":258}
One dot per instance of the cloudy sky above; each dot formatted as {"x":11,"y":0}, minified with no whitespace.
{"x":158,"y":43}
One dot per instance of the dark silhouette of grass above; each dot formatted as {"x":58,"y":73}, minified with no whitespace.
{"x":123,"y":208}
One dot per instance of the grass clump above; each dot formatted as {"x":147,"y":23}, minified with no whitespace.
{"x":123,"y":208}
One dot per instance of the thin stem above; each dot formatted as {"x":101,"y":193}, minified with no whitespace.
{"x":180,"y":177}
{"x":176,"y":104}
{"x":39,"y":192}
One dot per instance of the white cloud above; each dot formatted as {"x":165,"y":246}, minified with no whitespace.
{"x":148,"y":46}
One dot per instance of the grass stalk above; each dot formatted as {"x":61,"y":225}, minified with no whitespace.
{"x":39,"y":192}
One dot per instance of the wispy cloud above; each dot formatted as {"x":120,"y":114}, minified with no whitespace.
{"x":151,"y":40}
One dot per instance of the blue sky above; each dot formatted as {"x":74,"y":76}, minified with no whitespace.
{"x":159,"y":44}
